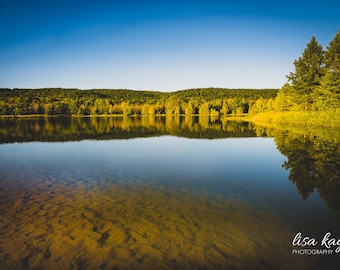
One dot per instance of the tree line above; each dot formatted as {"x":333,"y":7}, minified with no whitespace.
{"x":314,"y":85}
{"x":58,"y":101}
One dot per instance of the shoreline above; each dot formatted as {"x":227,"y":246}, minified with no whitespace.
{"x":299,"y":118}
{"x":241,"y":116}
{"x":316,"y":119}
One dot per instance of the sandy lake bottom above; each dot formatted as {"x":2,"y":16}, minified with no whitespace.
{"x":69,"y":225}
{"x":183,"y":204}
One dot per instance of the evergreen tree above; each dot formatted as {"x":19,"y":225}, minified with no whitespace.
{"x":328,"y":94}
{"x":284,"y":99}
{"x":309,"y":69}
{"x":332,"y":55}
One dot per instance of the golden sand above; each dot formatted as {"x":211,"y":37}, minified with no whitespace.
{"x":135,"y":225}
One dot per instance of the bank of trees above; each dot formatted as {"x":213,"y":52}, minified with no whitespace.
{"x":57,"y":101}
{"x":314,"y":86}
{"x":311,"y":95}
{"x":315,"y":83}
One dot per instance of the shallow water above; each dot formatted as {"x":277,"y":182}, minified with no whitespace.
{"x":154,"y":203}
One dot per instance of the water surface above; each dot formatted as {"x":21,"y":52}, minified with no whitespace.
{"x":110,"y":193}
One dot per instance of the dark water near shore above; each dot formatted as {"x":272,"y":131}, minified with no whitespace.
{"x":164,"y":193}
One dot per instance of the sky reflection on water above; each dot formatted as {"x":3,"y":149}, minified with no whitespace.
{"x":165,"y":201}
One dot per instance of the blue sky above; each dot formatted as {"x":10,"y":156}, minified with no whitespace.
{"x":158,"y":45}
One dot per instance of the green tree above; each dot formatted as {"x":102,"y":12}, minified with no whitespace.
{"x":151,"y":110}
{"x":189,"y":109}
{"x":224,"y":110}
{"x":63,"y":108}
{"x":172,"y":107}
{"x":101,"y":106}
{"x":73,"y":105}
{"x":204,"y":109}
{"x":50,"y":109}
{"x":126,"y":108}
{"x":328,"y":94}
{"x":214,"y":112}
{"x":309,"y":69}
{"x":332,"y":55}
{"x":285,"y":98}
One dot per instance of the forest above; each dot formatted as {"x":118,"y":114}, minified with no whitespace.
{"x":311,"y":95}
{"x":57,"y":101}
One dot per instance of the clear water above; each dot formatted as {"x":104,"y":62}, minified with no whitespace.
{"x":159,"y":201}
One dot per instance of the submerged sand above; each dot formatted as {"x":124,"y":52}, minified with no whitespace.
{"x":50,"y":224}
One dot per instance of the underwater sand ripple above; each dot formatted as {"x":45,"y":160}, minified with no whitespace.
{"x":135,"y":226}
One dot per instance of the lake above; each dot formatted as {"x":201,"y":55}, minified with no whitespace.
{"x":167,"y":193}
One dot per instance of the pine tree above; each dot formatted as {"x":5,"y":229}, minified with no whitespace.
{"x":309,"y":69}
{"x":285,"y":99}
{"x":328,"y":94}
{"x":332,"y":55}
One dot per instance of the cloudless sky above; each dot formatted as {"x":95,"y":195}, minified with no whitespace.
{"x":162,"y":45}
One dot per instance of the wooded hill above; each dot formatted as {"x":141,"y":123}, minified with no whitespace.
{"x":58,"y":101}
{"x":312,"y":94}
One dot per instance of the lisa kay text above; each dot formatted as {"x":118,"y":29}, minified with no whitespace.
{"x":327,"y":241}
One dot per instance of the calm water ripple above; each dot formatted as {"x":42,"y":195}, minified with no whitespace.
{"x":162,"y":202}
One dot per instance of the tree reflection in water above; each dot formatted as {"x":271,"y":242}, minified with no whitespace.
{"x":313,"y":154}
{"x":314,"y":164}
{"x":101,"y":128}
